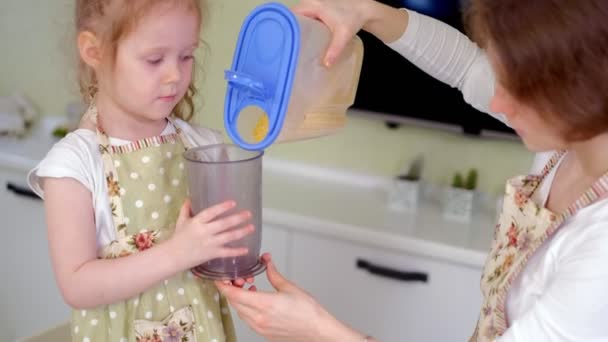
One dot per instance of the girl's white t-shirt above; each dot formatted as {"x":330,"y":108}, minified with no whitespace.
{"x":77,"y":156}
{"x":562,"y":293}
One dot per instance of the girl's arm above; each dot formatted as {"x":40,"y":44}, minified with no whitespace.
{"x":86,"y":281}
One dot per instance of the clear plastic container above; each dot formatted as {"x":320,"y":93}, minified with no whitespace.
{"x":278,"y":88}
{"x":217,"y":173}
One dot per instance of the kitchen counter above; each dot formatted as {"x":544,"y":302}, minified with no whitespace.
{"x":23,"y":153}
{"x":354,"y":207}
{"x":335,"y":203}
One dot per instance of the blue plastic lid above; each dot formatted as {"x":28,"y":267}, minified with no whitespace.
{"x":263,"y":69}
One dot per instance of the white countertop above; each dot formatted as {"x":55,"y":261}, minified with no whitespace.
{"x":23,"y":153}
{"x":354,"y":207}
{"x":334,"y":203}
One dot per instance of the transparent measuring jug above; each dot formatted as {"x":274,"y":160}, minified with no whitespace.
{"x":217,"y":173}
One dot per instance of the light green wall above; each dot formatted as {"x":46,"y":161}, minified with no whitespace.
{"x":36,"y":59}
{"x":34,"y":36}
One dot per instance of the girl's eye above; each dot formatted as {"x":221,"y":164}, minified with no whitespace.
{"x":187,"y":58}
{"x":154,"y":61}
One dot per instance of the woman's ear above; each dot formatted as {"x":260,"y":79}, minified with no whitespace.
{"x":89,"y":48}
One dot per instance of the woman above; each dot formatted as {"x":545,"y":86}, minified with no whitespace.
{"x":544,"y":67}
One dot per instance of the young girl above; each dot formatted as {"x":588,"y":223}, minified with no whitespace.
{"x":121,"y":247}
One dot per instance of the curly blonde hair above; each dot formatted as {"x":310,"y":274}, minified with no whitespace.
{"x":111,"y":21}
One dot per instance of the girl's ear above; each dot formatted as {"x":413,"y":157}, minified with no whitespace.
{"x":89,"y":48}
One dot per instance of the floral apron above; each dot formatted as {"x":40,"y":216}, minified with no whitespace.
{"x":146,"y":188}
{"x":523,"y":226}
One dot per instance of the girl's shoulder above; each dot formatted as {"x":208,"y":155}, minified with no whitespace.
{"x":199,"y":135}
{"x":74,"y":156}
{"x":80,"y":144}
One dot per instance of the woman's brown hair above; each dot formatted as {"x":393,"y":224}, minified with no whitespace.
{"x":552,"y":54}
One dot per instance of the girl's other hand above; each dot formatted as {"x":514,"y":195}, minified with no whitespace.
{"x":200,"y":238}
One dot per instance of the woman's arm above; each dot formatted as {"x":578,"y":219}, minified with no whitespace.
{"x":433,"y":46}
{"x":450,"y":57}
{"x":289,"y":314}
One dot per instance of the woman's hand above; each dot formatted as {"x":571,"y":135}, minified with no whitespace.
{"x":346,"y":17}
{"x":289,"y":314}
{"x":203,"y":237}
{"x":343,"y":17}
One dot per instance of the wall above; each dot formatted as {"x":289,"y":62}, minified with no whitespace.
{"x":37,"y":60}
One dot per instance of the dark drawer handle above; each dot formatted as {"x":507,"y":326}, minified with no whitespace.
{"x":21,"y":191}
{"x":391,"y":273}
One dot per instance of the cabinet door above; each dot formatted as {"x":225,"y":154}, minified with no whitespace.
{"x":29,"y":298}
{"x":274,"y":241}
{"x":392,"y":296}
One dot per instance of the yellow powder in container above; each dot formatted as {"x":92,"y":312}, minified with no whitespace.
{"x":261,"y":128}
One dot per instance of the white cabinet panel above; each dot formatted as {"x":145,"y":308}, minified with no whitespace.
{"x":29,"y":298}
{"x":359,"y":285}
{"x":274,"y":241}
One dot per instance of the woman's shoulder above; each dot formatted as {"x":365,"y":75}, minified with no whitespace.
{"x":541,"y":159}
{"x":585,"y":233}
{"x":587,"y":229}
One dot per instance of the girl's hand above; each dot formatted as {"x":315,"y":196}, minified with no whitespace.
{"x":203,"y":237}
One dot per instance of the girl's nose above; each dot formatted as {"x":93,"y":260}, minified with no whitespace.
{"x":172,"y":73}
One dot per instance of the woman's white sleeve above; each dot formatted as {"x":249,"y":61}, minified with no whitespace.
{"x":449,"y":56}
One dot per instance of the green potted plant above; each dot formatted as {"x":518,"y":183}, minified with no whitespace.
{"x":459,"y":196}
{"x":405,"y":190}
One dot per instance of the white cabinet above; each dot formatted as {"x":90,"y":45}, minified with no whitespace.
{"x":358,"y":284}
{"x":275,"y":241}
{"x":29,"y":298}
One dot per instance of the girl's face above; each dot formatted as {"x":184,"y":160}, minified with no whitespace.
{"x":538,"y":133}
{"x":153,"y":65}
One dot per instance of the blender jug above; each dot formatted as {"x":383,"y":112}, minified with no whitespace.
{"x":221,"y":172}
{"x":278,"y":89}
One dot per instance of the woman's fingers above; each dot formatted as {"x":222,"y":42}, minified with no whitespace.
{"x":240,"y":282}
{"x":340,"y":17}
{"x":238,"y":296}
{"x":306,"y":8}
{"x":338,"y":43}
{"x":275,"y":278}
